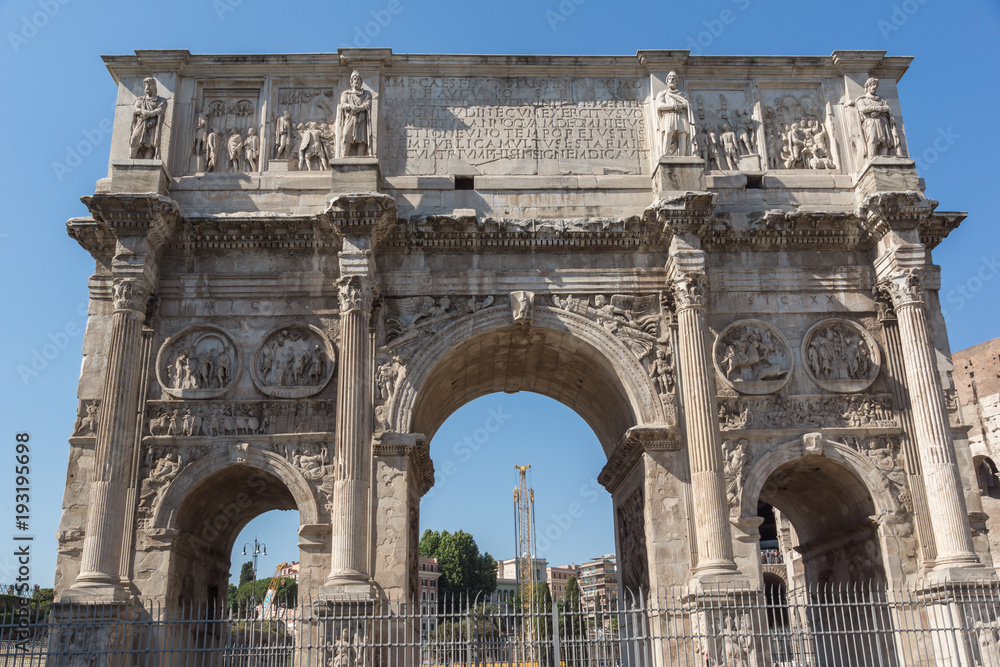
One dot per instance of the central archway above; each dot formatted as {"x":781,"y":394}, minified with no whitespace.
{"x":560,"y":355}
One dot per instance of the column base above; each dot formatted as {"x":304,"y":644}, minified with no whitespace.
{"x":97,"y":591}
{"x":355,"y":586}
{"x":710,"y":576}
{"x":960,"y":572}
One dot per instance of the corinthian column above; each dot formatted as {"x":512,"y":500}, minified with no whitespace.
{"x":945,"y":498}
{"x":349,"y":562}
{"x":141,"y":223}
{"x":708,"y":482}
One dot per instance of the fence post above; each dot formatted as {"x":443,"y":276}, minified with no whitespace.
{"x":555,"y":633}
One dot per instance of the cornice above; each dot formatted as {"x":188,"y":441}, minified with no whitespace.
{"x":637,"y":441}
{"x":275,"y":232}
{"x":779,"y":230}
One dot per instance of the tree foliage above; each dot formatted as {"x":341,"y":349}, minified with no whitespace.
{"x":253,"y":592}
{"x":246,"y":572}
{"x":465,"y":572}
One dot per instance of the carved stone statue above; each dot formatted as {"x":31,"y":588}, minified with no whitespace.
{"x":353,"y":119}
{"x":147,"y":123}
{"x":165,"y":471}
{"x":343,"y":651}
{"x":737,"y":458}
{"x":746,"y":132}
{"x":235,"y":148}
{"x":282,"y":135}
{"x":200,"y":133}
{"x":251,"y":148}
{"x":988,"y":640}
{"x":662,"y":371}
{"x":878,"y":128}
{"x":674,"y":119}
{"x":213,"y":147}
{"x":730,"y":148}
{"x":311,"y":147}
{"x":522,"y":306}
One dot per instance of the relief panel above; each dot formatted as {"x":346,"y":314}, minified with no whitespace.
{"x":840,"y":356}
{"x":294,"y":361}
{"x":200,"y":361}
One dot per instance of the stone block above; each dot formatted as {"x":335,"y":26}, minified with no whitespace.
{"x":139,"y":177}
{"x":354,"y":174}
{"x":679,"y":174}
{"x":887,"y":174}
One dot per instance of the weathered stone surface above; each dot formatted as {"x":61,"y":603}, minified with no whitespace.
{"x":315,"y":259}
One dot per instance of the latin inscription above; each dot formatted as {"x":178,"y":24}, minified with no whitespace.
{"x":516,"y":125}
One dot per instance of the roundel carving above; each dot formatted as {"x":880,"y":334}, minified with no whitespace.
{"x":840,"y":356}
{"x":294,"y":361}
{"x":753,"y":357}
{"x":198,"y":362}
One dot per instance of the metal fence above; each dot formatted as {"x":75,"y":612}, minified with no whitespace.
{"x":844,"y":626}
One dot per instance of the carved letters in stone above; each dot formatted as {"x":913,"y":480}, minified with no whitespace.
{"x":794,"y":412}
{"x":198,"y":362}
{"x":840,"y":356}
{"x":294,"y":361}
{"x":753,"y":357}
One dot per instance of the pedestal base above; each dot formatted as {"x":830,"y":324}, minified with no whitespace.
{"x":139,"y":177}
{"x":886,"y":174}
{"x":679,"y":174}
{"x":354,"y":175}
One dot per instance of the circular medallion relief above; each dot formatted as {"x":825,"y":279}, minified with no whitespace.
{"x":294,"y":361}
{"x":198,"y":362}
{"x":840,"y":356}
{"x":753,"y":357}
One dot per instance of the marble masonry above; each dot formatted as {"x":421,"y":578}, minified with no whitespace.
{"x":305,"y":263}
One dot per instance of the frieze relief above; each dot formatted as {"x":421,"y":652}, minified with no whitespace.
{"x":293,"y":361}
{"x":225,"y":133}
{"x":804,"y":412}
{"x":299,"y":109}
{"x":753,"y":357}
{"x":725,"y":134}
{"x":840,"y":356}
{"x":798,"y":132}
{"x":217,"y":418}
{"x":88,"y":414}
{"x":200,"y":361}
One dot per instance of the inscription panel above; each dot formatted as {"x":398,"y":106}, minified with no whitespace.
{"x":518,"y":125}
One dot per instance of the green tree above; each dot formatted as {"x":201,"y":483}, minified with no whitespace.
{"x":571,"y":621}
{"x":253,"y":593}
{"x":429,"y":543}
{"x":246,"y":572}
{"x":464,"y":571}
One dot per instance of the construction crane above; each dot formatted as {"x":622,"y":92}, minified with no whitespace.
{"x":524,"y":526}
{"x":272,"y":588}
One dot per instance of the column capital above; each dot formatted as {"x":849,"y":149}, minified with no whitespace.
{"x":131,"y":295}
{"x":357,"y":293}
{"x":904,"y":287}
{"x":884,"y":308}
{"x":882,"y":212}
{"x":690,"y":290}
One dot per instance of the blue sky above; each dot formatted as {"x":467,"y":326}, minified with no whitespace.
{"x":58,"y":100}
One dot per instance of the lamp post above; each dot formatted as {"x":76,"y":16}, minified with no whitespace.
{"x":259,"y":549}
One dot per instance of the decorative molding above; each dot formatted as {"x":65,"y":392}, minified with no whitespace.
{"x":636,"y":441}
{"x":768,"y":413}
{"x":368,"y":215}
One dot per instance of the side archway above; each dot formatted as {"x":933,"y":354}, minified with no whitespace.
{"x":846,"y":523}
{"x":560,"y":354}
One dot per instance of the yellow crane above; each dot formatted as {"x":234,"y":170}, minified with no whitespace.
{"x":524,"y":501}
{"x":272,"y":588}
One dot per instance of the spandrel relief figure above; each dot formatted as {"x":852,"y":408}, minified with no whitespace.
{"x":294,"y":361}
{"x":878,"y":127}
{"x":353,"y":119}
{"x":167,"y":468}
{"x":147,"y":123}
{"x":674,"y":119}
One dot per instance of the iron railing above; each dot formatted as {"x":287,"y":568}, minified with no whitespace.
{"x":954,"y":625}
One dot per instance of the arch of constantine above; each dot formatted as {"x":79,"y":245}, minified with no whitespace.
{"x":306,"y":263}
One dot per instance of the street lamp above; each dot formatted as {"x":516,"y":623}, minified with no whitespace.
{"x":259,"y":549}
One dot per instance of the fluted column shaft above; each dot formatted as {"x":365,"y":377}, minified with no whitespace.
{"x":103,"y":540}
{"x":945,"y":498}
{"x":352,"y":482}
{"x":708,"y":482}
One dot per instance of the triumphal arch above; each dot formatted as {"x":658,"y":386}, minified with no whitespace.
{"x":306,"y":263}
